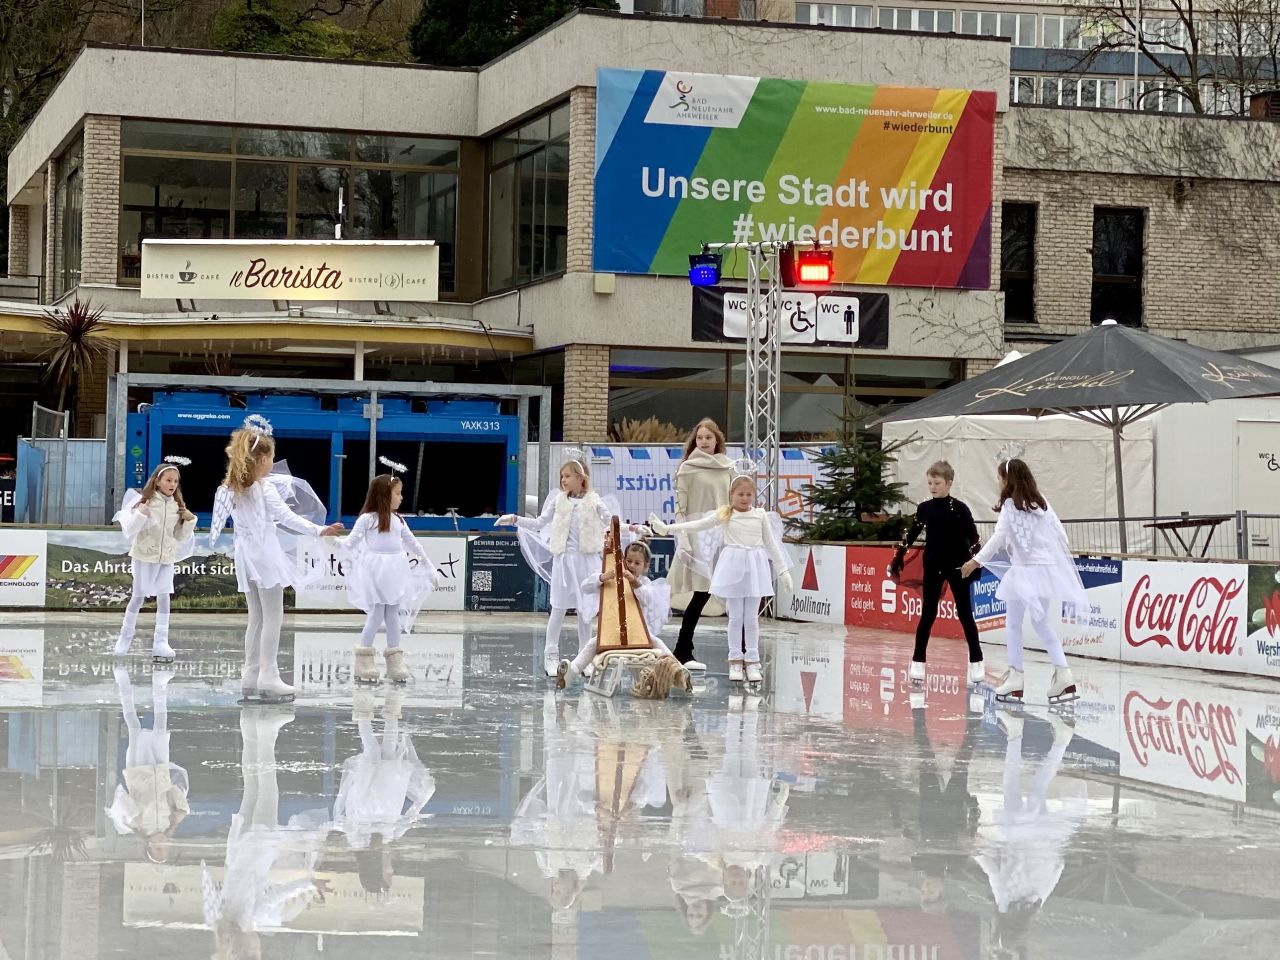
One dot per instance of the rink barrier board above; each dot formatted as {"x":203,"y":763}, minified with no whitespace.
{"x":1214,"y":615}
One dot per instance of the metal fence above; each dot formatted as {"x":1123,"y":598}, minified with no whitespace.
{"x":61,"y":481}
{"x":1238,"y":536}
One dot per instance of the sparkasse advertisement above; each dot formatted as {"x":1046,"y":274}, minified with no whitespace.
{"x":896,"y":180}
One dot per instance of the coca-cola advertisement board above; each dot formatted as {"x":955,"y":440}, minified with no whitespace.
{"x":875,"y":601}
{"x":1185,"y":735}
{"x":1188,"y":615}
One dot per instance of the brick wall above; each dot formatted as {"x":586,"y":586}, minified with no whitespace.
{"x":582,"y":162}
{"x":19,"y":237}
{"x":101,"y":218}
{"x":586,"y":393}
{"x":975,"y":368}
{"x":1209,"y":247}
{"x":91,"y":397}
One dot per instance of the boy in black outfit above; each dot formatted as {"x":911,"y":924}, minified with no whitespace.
{"x":951,"y":538}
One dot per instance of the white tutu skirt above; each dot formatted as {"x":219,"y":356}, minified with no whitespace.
{"x":264,"y":564}
{"x":742,"y":572}
{"x":152,"y":579}
{"x":567,"y":573}
{"x":1038,"y":586}
{"x":379,"y":578}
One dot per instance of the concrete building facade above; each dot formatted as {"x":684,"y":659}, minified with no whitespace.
{"x":1155,"y":220}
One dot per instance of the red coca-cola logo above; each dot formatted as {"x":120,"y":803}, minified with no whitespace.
{"x":1201,"y":733}
{"x":1199,"y":619}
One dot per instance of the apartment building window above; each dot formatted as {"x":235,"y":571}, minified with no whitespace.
{"x":1018,"y":261}
{"x":923,"y":21}
{"x":1117,"y":265}
{"x":1163,"y":32}
{"x":672,"y":8}
{"x":529,"y":201}
{"x":834,"y":14}
{"x":1077,"y":92}
{"x":194,"y":181}
{"x":1022,"y":89}
{"x":1018,"y":27}
{"x":1062,"y":33}
{"x":1154,"y":98}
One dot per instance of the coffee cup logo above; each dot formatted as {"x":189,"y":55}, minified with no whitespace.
{"x":188,"y":275}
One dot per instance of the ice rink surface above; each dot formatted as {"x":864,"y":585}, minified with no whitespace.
{"x":838,"y":814}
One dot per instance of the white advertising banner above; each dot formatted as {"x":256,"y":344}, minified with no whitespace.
{"x":642,"y":477}
{"x":290,"y":270}
{"x":1188,"y":615}
{"x":328,"y":589}
{"x":323,"y":664}
{"x":818,"y":581}
{"x":23,"y":558}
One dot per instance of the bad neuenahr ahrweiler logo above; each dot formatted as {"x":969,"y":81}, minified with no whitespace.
{"x":683,"y":89}
{"x":14,"y":566}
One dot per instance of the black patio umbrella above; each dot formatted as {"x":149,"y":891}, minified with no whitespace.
{"x":1110,"y":375}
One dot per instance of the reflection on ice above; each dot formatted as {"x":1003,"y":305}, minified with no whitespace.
{"x":477,"y":813}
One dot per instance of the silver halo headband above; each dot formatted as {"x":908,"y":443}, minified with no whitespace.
{"x":392,"y":465}
{"x":259,"y":426}
{"x":1012,"y":450}
{"x":172,"y":463}
{"x":745,"y":467}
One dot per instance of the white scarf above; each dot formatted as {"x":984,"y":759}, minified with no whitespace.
{"x":590,"y":529}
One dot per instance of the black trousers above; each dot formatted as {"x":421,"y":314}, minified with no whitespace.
{"x":932,"y":593}
{"x":689,"y":623}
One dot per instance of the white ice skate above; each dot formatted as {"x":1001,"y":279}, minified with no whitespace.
{"x":566,"y":674}
{"x":397,"y":672}
{"x":735,"y":672}
{"x":754,"y":675}
{"x":916,"y":671}
{"x":696,"y":665}
{"x":161,"y":652}
{"x":1009,"y":688}
{"x":271,"y":689}
{"x":123,"y":643}
{"x":366,"y":670}
{"x":977,"y":671}
{"x":1062,"y":688}
{"x":551,"y":663}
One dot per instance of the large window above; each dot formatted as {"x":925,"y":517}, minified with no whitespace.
{"x":1018,"y":261}
{"x":529,"y":201}
{"x":193,"y":181}
{"x":1117,"y":265}
{"x":70,"y":206}
{"x":834,"y":14}
{"x":911,"y":18}
{"x":1018,"y":27}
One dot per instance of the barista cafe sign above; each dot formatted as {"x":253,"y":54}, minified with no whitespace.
{"x":290,"y":269}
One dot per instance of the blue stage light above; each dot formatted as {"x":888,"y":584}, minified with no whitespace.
{"x":704,"y":269}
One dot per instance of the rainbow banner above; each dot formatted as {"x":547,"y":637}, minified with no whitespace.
{"x":897,"y":180}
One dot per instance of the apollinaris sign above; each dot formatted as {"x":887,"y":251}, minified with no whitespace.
{"x":896,"y":180}
{"x":290,"y":269}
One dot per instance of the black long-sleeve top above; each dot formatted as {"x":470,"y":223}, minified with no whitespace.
{"x":950,"y":535}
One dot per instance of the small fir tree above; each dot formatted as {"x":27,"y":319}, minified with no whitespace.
{"x":854,"y":495}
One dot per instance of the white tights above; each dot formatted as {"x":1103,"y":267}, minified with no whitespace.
{"x":552,"y":648}
{"x":262,"y":636}
{"x":382,"y":615}
{"x":1015,"y":610}
{"x":136,"y":603}
{"x":744,"y":628}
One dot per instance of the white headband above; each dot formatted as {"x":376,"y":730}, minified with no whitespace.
{"x":259,"y":425}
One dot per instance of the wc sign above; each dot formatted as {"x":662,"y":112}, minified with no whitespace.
{"x":837,"y":319}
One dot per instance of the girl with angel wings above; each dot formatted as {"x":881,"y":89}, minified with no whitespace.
{"x":263,"y":569}
{"x":745,"y":540}
{"x":563,"y":545}
{"x":161,"y":533}
{"x":1030,"y":554}
{"x":382,"y":580}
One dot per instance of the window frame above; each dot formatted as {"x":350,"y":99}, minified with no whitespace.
{"x":1102,"y":281}
{"x":1020,"y":276}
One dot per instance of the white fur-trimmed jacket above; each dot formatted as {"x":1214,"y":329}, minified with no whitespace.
{"x":592,"y":518}
{"x":159,"y":539}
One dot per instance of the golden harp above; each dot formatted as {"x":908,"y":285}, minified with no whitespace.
{"x":621,"y":625}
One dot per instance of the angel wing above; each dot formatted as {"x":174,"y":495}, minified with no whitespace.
{"x":298,"y":495}
{"x":131,"y":520}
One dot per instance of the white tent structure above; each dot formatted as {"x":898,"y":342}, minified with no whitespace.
{"x":1072,"y":459}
